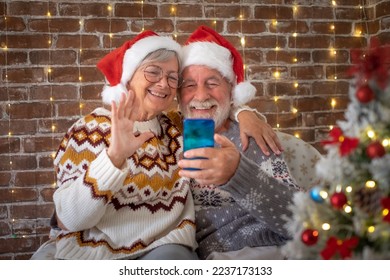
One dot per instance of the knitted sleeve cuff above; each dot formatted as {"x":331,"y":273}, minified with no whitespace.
{"x":242,"y":180}
{"x":236,"y":110}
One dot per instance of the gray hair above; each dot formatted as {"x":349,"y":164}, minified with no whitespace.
{"x":159,"y":55}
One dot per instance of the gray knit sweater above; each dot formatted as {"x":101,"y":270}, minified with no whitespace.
{"x":248,"y":210}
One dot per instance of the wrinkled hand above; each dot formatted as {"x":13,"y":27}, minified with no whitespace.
{"x":262,"y":132}
{"x":123,"y":141}
{"x":218,"y":168}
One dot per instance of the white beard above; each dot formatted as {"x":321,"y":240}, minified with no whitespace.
{"x":220,"y":115}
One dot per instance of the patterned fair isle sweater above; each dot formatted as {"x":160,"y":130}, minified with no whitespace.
{"x":247,"y":211}
{"x":121,"y":214}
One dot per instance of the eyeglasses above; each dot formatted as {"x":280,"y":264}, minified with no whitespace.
{"x":154,"y":74}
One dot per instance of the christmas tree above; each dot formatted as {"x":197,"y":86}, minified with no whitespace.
{"x":347,"y":215}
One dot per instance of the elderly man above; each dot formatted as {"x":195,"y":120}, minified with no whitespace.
{"x":240,"y":197}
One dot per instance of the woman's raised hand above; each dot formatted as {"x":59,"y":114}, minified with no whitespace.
{"x":123,"y":140}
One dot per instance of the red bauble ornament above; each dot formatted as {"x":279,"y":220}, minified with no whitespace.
{"x":338,"y":200}
{"x":365,"y":94}
{"x":375,"y":150}
{"x":309,"y":237}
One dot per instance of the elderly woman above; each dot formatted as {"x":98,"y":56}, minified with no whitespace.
{"x":119,"y":194}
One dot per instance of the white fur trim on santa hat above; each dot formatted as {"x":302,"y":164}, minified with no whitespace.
{"x":243,"y":93}
{"x":211,"y":55}
{"x":113,"y":93}
{"x":133,"y":58}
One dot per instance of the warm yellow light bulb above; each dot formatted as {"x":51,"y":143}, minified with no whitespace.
{"x":370,"y":184}
{"x":173,"y":10}
{"x":323,"y":194}
{"x":295,"y":59}
{"x":48,"y":14}
{"x":53,"y":128}
{"x":385,"y":142}
{"x":347,"y":209}
{"x":371,"y":229}
{"x":80,"y":78}
{"x":110,"y":35}
{"x":326,"y":226}
{"x":297,"y":135}
{"x":331,"y":127}
{"x":333,"y":103}
{"x":332,"y":27}
{"x":276,"y":98}
{"x":242,"y":41}
{"x":109,"y":8}
{"x":296,"y":84}
{"x":277,"y":125}
{"x":294,"y":110}
{"x":277,"y":48}
{"x":276,"y":74}
{"x":334,"y":3}
{"x":371,"y":133}
{"x":358,"y":32}
{"x":348,"y":189}
{"x":275,"y":22}
{"x":295,"y":34}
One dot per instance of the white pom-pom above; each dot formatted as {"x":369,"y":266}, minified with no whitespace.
{"x":243,"y":93}
{"x":113,"y":93}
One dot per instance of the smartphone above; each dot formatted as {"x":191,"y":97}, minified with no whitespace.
{"x":198,"y":133}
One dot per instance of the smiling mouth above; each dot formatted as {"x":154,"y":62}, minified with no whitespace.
{"x":157,"y":94}
{"x":200,"y":108}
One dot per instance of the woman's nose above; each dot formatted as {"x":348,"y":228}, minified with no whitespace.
{"x":163,"y":82}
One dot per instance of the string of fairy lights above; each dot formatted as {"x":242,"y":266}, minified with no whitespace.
{"x":79,"y":61}
{"x":276,"y":73}
{"x":333,"y":55}
{"x":49,"y":72}
{"x":241,"y":18}
{"x":174,"y":15}
{"x":294,"y":109}
{"x":4,"y":46}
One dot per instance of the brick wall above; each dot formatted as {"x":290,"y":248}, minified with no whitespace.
{"x":38,"y":105}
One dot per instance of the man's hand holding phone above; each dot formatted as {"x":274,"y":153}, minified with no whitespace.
{"x":204,"y":163}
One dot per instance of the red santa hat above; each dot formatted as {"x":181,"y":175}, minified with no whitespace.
{"x":206,"y":47}
{"x":119,"y":65}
